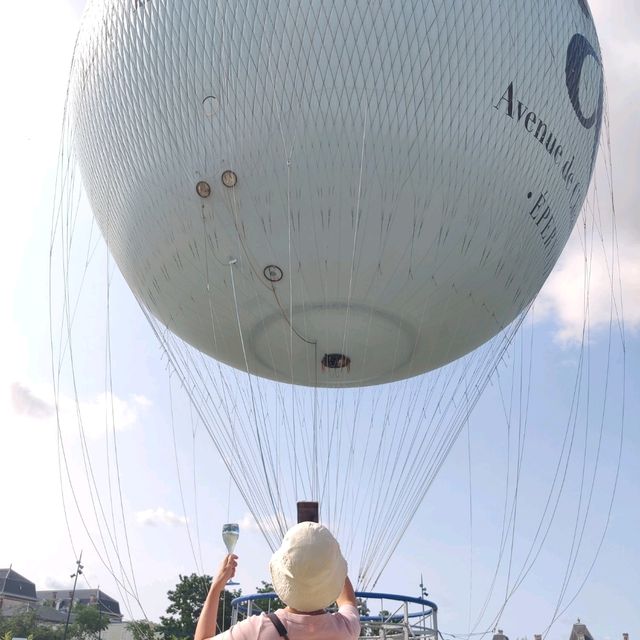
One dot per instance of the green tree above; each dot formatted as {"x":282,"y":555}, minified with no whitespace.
{"x":225,"y":609}
{"x":142,"y":629}
{"x":20,"y":625}
{"x":45,"y":632}
{"x":186,"y":602}
{"x":25,"y":625}
{"x":89,"y":621}
{"x":362,"y":607}
{"x":267,"y":604}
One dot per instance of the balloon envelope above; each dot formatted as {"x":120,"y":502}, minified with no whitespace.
{"x":336,"y":193}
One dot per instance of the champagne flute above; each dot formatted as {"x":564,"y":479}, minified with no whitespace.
{"x":230,"y":534}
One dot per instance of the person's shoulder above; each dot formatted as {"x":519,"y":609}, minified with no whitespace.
{"x":348,"y":609}
{"x":349,"y":613}
{"x":246,"y":629}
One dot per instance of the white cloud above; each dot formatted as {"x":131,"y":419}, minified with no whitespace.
{"x":571,"y":291}
{"x":248,"y":523}
{"x":24,"y":402}
{"x":55,"y":583}
{"x":100,"y":412}
{"x":159,"y":516}
{"x":142,"y":401}
{"x":269,"y":524}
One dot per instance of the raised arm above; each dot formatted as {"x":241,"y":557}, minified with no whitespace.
{"x":347,"y":595}
{"x":206,"y":627}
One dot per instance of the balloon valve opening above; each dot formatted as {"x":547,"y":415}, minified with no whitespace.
{"x":335,"y":361}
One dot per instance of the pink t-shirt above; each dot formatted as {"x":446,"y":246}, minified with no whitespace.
{"x":343,"y":625}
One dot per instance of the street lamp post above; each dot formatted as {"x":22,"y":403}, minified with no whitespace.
{"x":99,"y":616}
{"x":73,"y":593}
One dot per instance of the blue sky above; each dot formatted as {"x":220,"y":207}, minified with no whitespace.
{"x":457,"y":560}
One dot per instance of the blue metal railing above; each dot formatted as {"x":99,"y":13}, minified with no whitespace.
{"x":411,"y":623}
{"x":363,"y":595}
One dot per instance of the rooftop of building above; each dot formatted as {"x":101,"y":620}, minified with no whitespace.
{"x":14,"y":585}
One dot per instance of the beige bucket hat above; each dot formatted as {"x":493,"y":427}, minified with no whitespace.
{"x":308,"y":570}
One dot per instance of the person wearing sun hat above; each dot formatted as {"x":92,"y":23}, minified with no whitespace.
{"x":308,"y":573}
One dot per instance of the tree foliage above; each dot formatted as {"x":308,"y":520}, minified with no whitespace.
{"x":186,"y":602}
{"x":26,"y":625}
{"x":267,"y":604}
{"x":89,"y":621}
{"x":225,"y":608}
{"x":142,"y":629}
{"x":87,"y":625}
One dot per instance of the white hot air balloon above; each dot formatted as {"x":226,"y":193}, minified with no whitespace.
{"x":336,"y":193}
{"x":333,"y":194}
